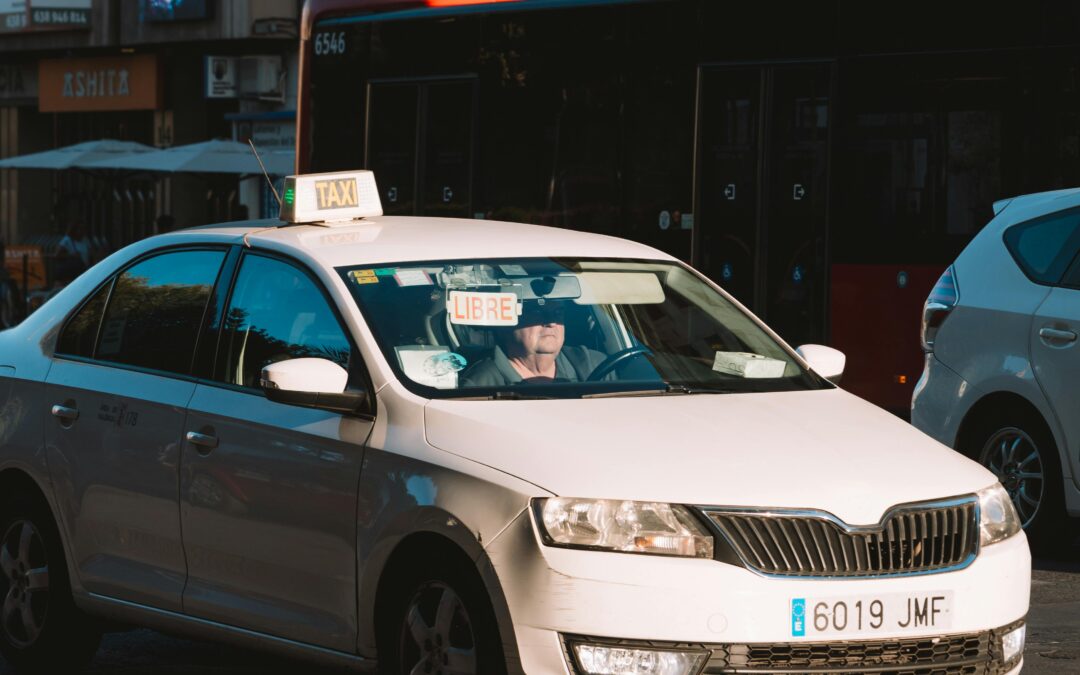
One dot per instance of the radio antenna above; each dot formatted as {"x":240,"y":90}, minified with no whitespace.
{"x":267,"y":175}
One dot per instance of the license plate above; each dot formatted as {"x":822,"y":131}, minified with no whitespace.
{"x":870,"y":614}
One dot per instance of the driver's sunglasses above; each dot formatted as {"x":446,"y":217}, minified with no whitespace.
{"x":532,"y":316}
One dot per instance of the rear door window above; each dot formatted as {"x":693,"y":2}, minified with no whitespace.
{"x":1044,"y":247}
{"x":80,"y":334}
{"x":156,"y":311}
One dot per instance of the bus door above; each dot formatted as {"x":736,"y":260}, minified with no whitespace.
{"x":761,"y":190}
{"x":419,"y":143}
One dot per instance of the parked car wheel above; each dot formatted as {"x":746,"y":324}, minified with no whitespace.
{"x":1022,"y":454}
{"x":442,"y":624}
{"x":41,"y":630}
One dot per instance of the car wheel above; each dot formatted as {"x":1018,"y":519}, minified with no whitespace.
{"x":1024,"y":457}
{"x":441,"y":624}
{"x":41,"y":630}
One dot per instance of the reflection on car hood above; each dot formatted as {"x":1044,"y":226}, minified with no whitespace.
{"x":816,"y":449}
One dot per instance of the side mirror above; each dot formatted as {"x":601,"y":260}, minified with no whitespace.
{"x":311,"y":383}
{"x":825,"y":361}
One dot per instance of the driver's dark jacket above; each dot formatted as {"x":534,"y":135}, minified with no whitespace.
{"x":572,"y":364}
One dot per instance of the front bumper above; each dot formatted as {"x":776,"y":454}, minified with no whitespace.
{"x":969,"y":653}
{"x":553,"y":593}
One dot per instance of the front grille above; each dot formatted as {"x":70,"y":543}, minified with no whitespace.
{"x":912,"y":539}
{"x":953,"y":654}
{"x":965,"y":654}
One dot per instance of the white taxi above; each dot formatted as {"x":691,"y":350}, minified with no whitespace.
{"x":444,"y":446}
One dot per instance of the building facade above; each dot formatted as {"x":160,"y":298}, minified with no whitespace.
{"x":157,"y":73}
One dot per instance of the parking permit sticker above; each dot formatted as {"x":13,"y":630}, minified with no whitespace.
{"x":432,"y":366}
{"x":412,"y":278}
{"x":364,"y":276}
{"x":471,"y":308}
{"x":748,"y":365}
{"x":798,"y":617}
{"x":513,"y":270}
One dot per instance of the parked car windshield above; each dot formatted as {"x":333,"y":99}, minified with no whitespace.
{"x":566,"y":328}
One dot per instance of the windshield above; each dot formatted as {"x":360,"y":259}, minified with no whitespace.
{"x":566,"y":328}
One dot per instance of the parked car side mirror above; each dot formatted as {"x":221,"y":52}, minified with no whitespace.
{"x":311,"y":383}
{"x":825,"y":361}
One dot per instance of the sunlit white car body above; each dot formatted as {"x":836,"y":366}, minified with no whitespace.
{"x":468,"y":470}
{"x":990,"y":348}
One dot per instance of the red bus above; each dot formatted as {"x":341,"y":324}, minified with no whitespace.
{"x":821,"y":161}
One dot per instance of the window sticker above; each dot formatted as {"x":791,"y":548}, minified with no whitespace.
{"x":112,"y":335}
{"x":432,"y":366}
{"x":472,"y":308}
{"x":385,"y":271}
{"x":748,"y":365}
{"x":513,"y":270}
{"x":412,"y":278}
{"x":364,"y":276}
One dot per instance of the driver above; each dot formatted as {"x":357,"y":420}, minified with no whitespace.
{"x":533,"y":351}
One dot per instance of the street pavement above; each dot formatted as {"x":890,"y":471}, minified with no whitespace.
{"x":1053,"y":643}
{"x":1053,"y":638}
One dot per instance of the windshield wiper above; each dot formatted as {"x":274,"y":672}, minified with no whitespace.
{"x":504,"y":396}
{"x":666,"y":390}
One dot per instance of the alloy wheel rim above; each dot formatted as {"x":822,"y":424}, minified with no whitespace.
{"x":24,"y":583}
{"x":1017,"y":462}
{"x":437,"y":636}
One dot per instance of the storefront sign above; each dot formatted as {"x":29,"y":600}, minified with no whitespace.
{"x":274,"y":135}
{"x":35,"y":15}
{"x":18,"y":82}
{"x":28,"y":261}
{"x":109,"y":83}
{"x":220,"y":76}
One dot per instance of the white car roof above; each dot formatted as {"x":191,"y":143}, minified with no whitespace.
{"x":390,"y":239}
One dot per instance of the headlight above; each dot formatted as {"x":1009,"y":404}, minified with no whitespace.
{"x":615,"y":525}
{"x":997,"y":516}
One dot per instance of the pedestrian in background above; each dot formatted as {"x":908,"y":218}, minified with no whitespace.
{"x":72,"y":253}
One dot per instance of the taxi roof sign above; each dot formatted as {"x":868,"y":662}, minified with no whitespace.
{"x":330,"y":197}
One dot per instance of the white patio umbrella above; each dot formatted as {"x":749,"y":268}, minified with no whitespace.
{"x":78,"y":156}
{"x":205,"y":157}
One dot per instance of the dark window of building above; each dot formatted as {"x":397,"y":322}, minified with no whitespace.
{"x":156,"y":310}
{"x":1043,"y":248}
{"x":277,"y":312}
{"x":81,"y":331}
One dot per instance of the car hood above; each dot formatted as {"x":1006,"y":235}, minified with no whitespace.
{"x":815,"y":449}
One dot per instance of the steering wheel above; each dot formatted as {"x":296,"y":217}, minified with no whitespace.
{"x":615,"y":360}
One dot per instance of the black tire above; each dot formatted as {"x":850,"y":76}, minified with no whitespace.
{"x":1015,"y":446}
{"x":424,"y":587}
{"x":33,"y":570}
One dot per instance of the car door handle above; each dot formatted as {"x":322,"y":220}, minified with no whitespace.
{"x":204,"y":441}
{"x":65,"y":413}
{"x":1057,"y":335}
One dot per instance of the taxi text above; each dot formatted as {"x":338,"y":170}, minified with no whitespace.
{"x":337,"y":193}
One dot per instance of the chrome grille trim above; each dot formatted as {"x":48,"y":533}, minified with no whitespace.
{"x":910,"y":539}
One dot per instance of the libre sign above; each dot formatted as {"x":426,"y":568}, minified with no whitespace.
{"x":108,"y":83}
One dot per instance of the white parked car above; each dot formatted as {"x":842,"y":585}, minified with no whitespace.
{"x":450,"y":446}
{"x":1002,"y":362}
